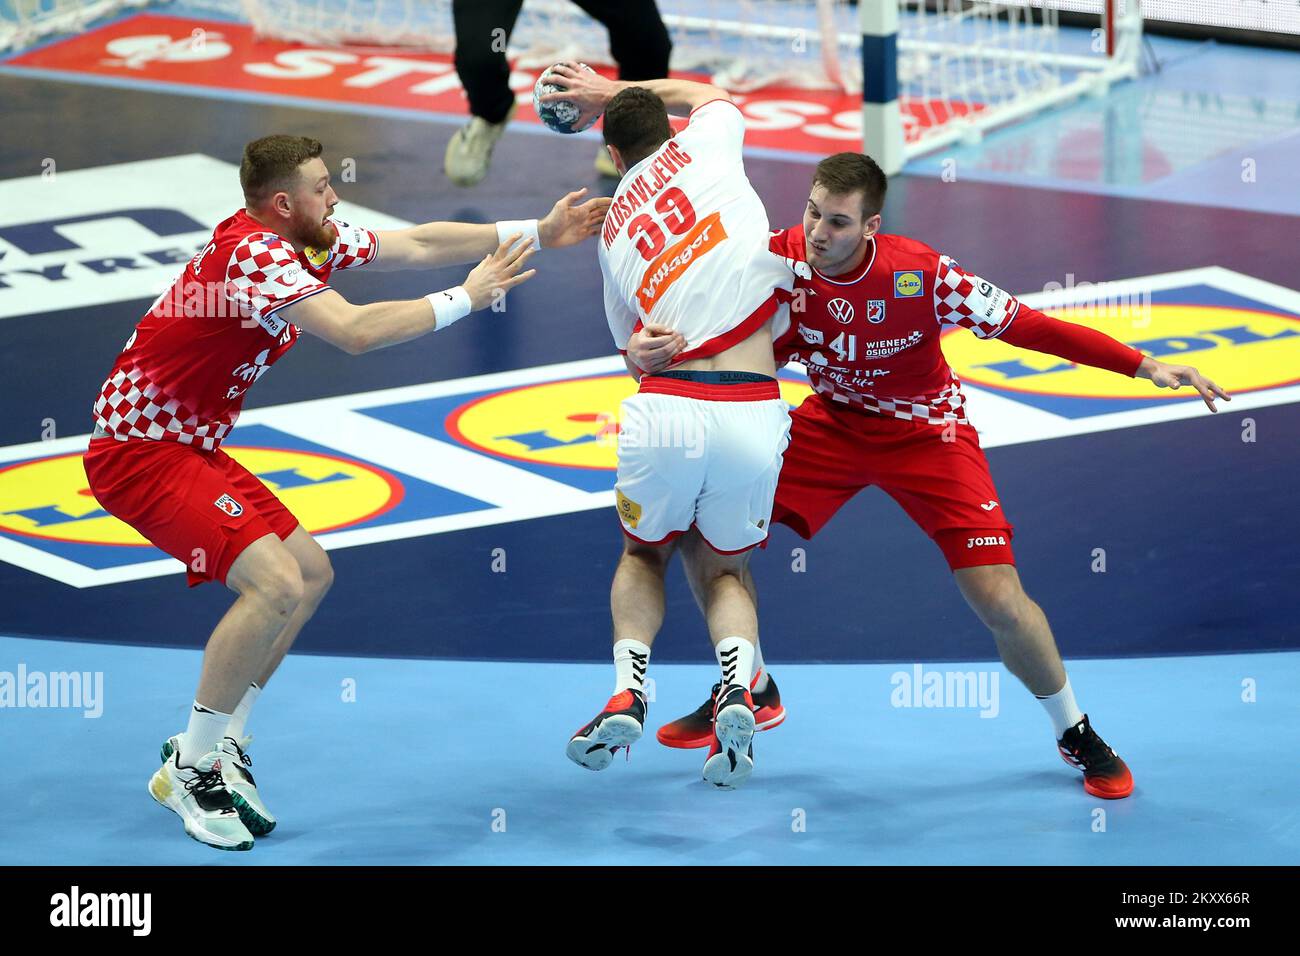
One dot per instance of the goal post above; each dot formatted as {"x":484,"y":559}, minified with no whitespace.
{"x":930,"y":73}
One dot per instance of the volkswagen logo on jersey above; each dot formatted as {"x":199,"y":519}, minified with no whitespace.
{"x":230,"y":506}
{"x":876,"y":310}
{"x":841,"y":310}
{"x":47,"y":498}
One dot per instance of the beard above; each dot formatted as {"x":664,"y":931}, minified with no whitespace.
{"x":314,"y":233}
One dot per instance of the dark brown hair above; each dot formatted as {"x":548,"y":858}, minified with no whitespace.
{"x":845,"y":173}
{"x":271,"y":163}
{"x":636,"y":123}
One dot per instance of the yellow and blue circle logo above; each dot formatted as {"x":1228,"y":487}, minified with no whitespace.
{"x":908,"y":285}
{"x":1243,"y":350}
{"x":48,"y":498}
{"x":571,"y":423}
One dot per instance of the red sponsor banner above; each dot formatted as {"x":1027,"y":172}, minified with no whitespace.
{"x":226,"y":56}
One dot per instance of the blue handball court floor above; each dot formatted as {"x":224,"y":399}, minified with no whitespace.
{"x":423,"y":762}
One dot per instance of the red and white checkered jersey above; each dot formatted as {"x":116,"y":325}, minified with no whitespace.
{"x":685,"y":242}
{"x":870,"y":339}
{"x":185,"y":369}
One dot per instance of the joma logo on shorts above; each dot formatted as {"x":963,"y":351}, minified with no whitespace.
{"x":984,"y":542}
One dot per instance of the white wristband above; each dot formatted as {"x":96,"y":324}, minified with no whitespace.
{"x":449,"y":305}
{"x":508,"y":227}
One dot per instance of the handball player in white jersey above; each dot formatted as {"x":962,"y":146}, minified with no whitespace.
{"x":685,"y":246}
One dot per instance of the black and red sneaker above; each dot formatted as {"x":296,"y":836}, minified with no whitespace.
{"x":1104,"y":773}
{"x":696,"y":729}
{"x":731,"y":756}
{"x":618,"y":725}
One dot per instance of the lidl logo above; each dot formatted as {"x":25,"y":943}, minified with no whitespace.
{"x":908,"y":285}
{"x":317,"y":257}
{"x":572,"y":423}
{"x":48,"y":498}
{"x":1241,"y":349}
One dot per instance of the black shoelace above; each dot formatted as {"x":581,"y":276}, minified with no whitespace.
{"x":205,"y":781}
{"x":706,"y":709}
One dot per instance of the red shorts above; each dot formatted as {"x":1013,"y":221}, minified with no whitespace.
{"x":944,"y":486}
{"x":201,"y":507}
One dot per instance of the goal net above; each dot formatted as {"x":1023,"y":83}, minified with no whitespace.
{"x":956,"y":67}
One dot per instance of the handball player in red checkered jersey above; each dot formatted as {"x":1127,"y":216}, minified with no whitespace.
{"x":866,"y":316}
{"x":175,"y":391}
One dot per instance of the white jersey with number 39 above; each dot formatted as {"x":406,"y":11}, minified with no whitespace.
{"x":685,"y":243}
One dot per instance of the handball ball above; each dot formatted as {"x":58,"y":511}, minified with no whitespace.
{"x":561,"y":116}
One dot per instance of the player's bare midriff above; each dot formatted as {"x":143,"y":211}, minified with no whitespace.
{"x":754,"y":354}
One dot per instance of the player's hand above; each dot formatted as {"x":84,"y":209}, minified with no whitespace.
{"x":654,"y":347}
{"x":1175,"y":376}
{"x":569,"y":222}
{"x":500,"y":270}
{"x":585,"y":89}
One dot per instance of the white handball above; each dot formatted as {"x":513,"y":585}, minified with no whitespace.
{"x":561,"y":116}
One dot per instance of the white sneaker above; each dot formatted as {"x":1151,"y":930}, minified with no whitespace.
{"x":239,"y":781}
{"x":243,"y":790}
{"x":470,"y":151}
{"x":198,"y":795}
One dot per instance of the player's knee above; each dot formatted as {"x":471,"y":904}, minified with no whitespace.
{"x":280,"y":587}
{"x":653,"y":557}
{"x":1004,"y":608}
{"x":317,"y":574}
{"x":719,"y":578}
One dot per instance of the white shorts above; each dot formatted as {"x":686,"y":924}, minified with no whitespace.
{"x":701,"y":453}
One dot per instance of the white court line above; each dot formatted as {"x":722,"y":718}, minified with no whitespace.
{"x":439,"y":463}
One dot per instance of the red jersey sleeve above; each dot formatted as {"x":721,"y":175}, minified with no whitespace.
{"x":963,"y":298}
{"x":1041,"y":333}
{"x":264,"y":275}
{"x":354,"y":246}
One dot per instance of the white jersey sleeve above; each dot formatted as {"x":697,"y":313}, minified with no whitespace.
{"x":621,"y":317}
{"x":719,"y":127}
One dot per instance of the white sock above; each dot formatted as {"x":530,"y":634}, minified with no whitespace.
{"x":240,"y":717}
{"x":1062,"y":709}
{"x":631,"y":658}
{"x":760,"y":670}
{"x":736,"y":658}
{"x":205,"y":731}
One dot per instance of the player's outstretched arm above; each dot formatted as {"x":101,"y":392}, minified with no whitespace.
{"x":1175,"y":376}
{"x":591,"y":92}
{"x":432,"y":244}
{"x":363,"y":328}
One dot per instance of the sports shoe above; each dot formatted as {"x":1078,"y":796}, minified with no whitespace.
{"x":605,"y":166}
{"x":469,"y":154}
{"x":198,"y":795}
{"x":618,"y":725}
{"x":239,"y":781}
{"x":1104,"y":773}
{"x":731,"y":757}
{"x":696,"y":729}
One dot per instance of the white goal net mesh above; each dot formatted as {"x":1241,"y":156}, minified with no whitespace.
{"x":962,"y":66}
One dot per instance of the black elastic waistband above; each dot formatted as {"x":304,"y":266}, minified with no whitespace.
{"x":717,"y":377}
